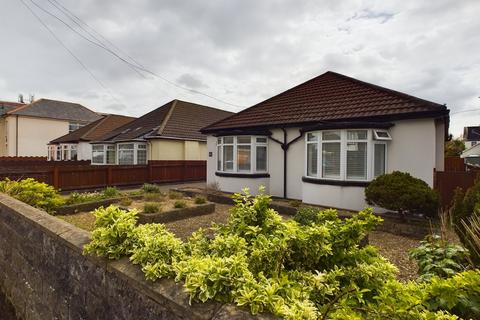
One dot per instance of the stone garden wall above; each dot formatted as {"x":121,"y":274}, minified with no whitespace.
{"x":44,"y":275}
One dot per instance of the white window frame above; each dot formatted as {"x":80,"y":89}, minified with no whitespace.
{"x":104,"y":151}
{"x":253,"y":154}
{"x":135,"y":152}
{"x":371,"y":141}
{"x":377,"y":137}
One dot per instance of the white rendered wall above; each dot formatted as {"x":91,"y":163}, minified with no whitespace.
{"x":351,"y":198}
{"x":231,"y":184}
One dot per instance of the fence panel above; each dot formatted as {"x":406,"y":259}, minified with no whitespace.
{"x":447,"y":181}
{"x":455,"y":164}
{"x":72,"y":175}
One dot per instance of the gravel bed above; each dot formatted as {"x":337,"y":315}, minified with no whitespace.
{"x":395,"y":248}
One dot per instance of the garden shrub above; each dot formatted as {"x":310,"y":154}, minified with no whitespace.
{"x":34,"y":193}
{"x":401,"y":192}
{"x":125,"y":201}
{"x":464,"y":211}
{"x":110,"y":192}
{"x":82,"y":197}
{"x":315,"y":270}
{"x":113,"y":236}
{"x":438,"y":257}
{"x":200,"y":200}
{"x":175,"y":195}
{"x":150,"y":188}
{"x":180,"y":204}
{"x":151,"y":207}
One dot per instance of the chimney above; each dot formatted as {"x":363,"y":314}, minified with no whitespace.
{"x":20,"y":98}
{"x":31,"y":97}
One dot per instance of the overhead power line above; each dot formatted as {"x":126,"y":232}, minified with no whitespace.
{"x":100,"y":44}
{"x":69,"y":51}
{"x":467,"y":110}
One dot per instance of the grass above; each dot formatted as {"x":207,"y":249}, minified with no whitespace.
{"x":82,"y":220}
{"x":180,"y":204}
{"x":152,"y":207}
{"x":200,"y":200}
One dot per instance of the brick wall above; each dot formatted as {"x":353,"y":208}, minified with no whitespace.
{"x":44,"y":275}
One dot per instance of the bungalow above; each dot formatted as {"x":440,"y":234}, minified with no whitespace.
{"x":26,"y":128}
{"x":324,"y":140}
{"x":471,"y":136}
{"x":76,"y":144}
{"x":170,"y":132}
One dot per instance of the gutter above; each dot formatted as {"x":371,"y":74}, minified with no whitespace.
{"x":16,"y":135}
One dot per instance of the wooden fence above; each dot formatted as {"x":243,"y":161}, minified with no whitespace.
{"x":75,"y":175}
{"x":455,"y":164}
{"x":445,"y":182}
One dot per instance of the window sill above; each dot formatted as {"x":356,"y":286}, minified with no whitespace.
{"x":242,"y":175}
{"x":343,"y":183}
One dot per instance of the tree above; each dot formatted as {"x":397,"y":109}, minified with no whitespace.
{"x":454,"y":148}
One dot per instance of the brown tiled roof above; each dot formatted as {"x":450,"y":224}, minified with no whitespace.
{"x":6,"y":106}
{"x":176,"y":119}
{"x":55,"y":109}
{"x":329,"y":97}
{"x":95,"y":130}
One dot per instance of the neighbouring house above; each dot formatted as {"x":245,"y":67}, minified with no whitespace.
{"x":76,"y":144}
{"x":471,"y":136}
{"x":324,"y":140}
{"x":26,"y":129}
{"x":170,"y":132}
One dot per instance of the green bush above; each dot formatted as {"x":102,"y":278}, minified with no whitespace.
{"x":151,"y":207}
{"x":464,"y":211}
{"x":113,"y":236}
{"x":175,"y":195}
{"x":180,"y":204}
{"x":110,"y":192}
{"x":34,"y":193}
{"x":437,"y":257}
{"x":401,"y":192}
{"x":150,"y":188}
{"x":313,"y":271}
{"x":126,"y":201}
{"x":200,"y":200}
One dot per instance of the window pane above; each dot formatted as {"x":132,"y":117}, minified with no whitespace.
{"x":97,"y":147}
{"x":141,"y":156}
{"x":97,"y":157}
{"x":125,"y":156}
{"x":261,"y":140}
{"x":228,"y":158}
{"x":227,"y":139}
{"x":243,"y":139}
{"x":141,"y":146}
{"x":379,"y":160}
{"x":126,"y":146}
{"x":111,"y":155}
{"x":312,"y":157}
{"x":312,"y":136}
{"x":357,"y":160}
{"x":261,"y":158}
{"x":219,"y":158}
{"x":73,"y":154}
{"x":331,"y":135}
{"x":219,"y":140}
{"x":331,"y":160}
{"x":243,"y":158}
{"x":356,"y":134}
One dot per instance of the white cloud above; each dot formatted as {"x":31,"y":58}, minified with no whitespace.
{"x":246,"y":51}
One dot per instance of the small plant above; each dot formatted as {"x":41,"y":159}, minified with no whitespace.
{"x":150,"y":188}
{"x":153,"y":197}
{"x":125,"y":202}
{"x":110,"y":192}
{"x":151,"y":207}
{"x":180,"y":204}
{"x":34,"y":193}
{"x":200,"y":200}
{"x":175,"y":195}
{"x":113,"y":236}
{"x":437,"y":257}
{"x":295,"y":203}
{"x":401,"y":192}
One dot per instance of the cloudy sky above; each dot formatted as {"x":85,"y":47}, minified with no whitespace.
{"x":238,"y":52}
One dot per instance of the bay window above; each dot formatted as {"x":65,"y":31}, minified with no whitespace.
{"x":98,"y":154}
{"x":242,"y":154}
{"x":353,"y":155}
